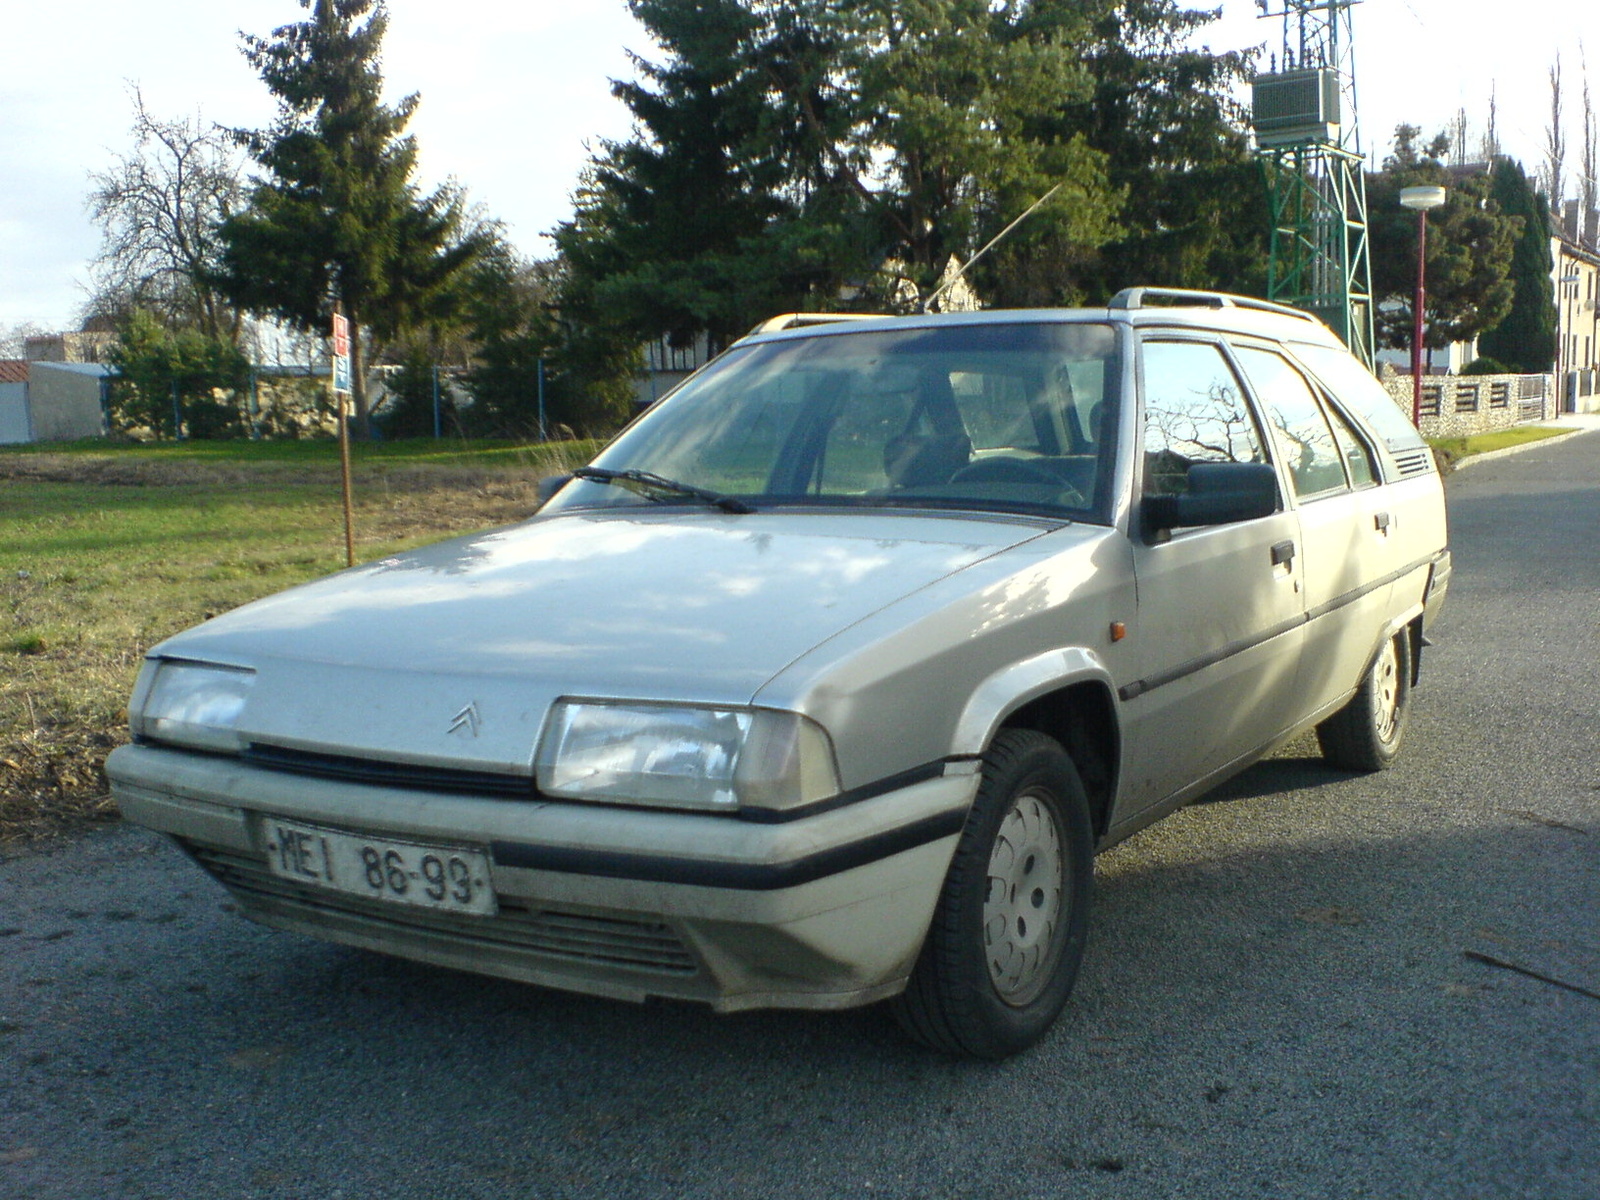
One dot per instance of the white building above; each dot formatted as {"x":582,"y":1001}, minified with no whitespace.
{"x":52,"y":401}
{"x":1576,"y":276}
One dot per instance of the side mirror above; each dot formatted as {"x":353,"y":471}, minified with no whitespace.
{"x":1220,"y":493}
{"x":550,"y":485}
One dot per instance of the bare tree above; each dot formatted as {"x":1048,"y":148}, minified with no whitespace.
{"x":14,"y":338}
{"x":1491,"y":135}
{"x":1458,"y":138}
{"x":1586,"y":182}
{"x":158,"y":208}
{"x":1555,"y":142}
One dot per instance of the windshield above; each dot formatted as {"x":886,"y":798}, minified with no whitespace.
{"x":988,"y":417}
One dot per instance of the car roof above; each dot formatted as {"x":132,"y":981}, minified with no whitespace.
{"x":1139,"y":307}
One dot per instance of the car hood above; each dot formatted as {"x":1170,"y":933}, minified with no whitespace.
{"x":451,"y":655}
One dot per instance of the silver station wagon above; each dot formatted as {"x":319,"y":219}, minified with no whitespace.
{"x":824,"y":683}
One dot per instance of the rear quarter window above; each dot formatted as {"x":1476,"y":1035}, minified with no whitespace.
{"x":1354,"y":387}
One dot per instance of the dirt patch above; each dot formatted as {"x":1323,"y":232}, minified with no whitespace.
{"x":52,"y":781}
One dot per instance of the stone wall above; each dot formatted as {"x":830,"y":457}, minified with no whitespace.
{"x":1462,"y":405}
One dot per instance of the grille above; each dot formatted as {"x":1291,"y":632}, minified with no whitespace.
{"x":388,"y":774}
{"x":1417,"y":462}
{"x":565,"y":936}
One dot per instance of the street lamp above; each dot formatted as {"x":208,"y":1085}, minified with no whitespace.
{"x":1421,"y":199}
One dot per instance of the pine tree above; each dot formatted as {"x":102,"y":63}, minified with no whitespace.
{"x":663,"y":219}
{"x":1192,"y":209}
{"x":168,"y":381}
{"x":336,"y":220}
{"x":787,"y":148}
{"x":790,"y":151}
{"x":1470,"y":241}
{"x":952,"y":94}
{"x":525,"y":350}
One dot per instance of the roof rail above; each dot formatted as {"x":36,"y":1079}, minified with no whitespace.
{"x":1141,"y":297}
{"x":798,"y":320}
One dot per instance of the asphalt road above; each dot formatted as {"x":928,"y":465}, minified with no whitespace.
{"x":1277,"y":1002}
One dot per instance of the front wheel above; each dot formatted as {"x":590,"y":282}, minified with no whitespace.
{"x":1366,"y":734}
{"x":1007,"y":937}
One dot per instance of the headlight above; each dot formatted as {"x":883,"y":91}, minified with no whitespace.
{"x":193,"y":704}
{"x":681,"y":757}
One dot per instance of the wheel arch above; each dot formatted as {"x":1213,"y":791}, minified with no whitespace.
{"x":1067,"y":695}
{"x":1409,"y":624}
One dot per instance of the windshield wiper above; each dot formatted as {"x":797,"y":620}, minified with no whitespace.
{"x":656,"y":487}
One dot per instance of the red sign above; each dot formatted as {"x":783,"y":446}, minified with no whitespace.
{"x":341,"y":336}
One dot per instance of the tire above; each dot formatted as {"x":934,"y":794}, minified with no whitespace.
{"x":1367,"y":733}
{"x":1007,"y":938}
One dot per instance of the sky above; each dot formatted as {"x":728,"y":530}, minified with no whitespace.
{"x":515,"y":93}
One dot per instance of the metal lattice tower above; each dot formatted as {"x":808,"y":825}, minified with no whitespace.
{"x":1309,"y":146}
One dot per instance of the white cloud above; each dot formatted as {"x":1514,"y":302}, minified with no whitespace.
{"x":510,"y":92}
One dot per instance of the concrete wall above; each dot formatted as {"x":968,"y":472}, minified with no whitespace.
{"x":1462,"y":405}
{"x":69,"y":347}
{"x":14,"y":414}
{"x":65,"y":403}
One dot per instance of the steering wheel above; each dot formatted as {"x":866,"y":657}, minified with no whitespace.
{"x":1014,"y":470}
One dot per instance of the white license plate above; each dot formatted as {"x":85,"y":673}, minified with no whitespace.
{"x":452,"y":878}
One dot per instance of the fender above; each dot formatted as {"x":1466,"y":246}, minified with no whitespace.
{"x":1018,"y":683}
{"x":1412,"y":614}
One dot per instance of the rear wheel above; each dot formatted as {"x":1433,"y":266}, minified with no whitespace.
{"x":1007,"y":938}
{"x":1366,"y":734}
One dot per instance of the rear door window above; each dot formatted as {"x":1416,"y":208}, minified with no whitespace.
{"x":1300,"y":428}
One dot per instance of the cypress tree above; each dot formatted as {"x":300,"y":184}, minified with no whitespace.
{"x":1526,"y":340}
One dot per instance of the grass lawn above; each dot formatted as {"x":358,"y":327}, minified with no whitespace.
{"x":106,"y":550}
{"x":1453,"y":450}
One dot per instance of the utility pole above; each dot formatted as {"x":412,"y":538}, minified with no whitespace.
{"x":1303,"y":113}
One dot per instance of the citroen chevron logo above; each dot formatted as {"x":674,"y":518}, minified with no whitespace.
{"x":468,"y":720}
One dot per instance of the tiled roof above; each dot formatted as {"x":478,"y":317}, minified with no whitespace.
{"x":13,"y":370}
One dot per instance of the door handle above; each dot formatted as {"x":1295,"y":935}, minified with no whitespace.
{"x":1380,"y":522}
{"x":1282,"y":553}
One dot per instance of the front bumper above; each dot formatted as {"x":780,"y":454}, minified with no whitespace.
{"x":826,"y":911}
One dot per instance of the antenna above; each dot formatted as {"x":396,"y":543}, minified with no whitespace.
{"x":927,"y":305}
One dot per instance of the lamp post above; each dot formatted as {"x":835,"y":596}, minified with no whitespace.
{"x":1420,"y":199}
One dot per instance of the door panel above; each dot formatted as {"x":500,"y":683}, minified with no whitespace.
{"x":1344,"y":529}
{"x":1221,"y":610}
{"x":1219,"y":637}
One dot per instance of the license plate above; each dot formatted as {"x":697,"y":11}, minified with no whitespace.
{"x":452,"y":878}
